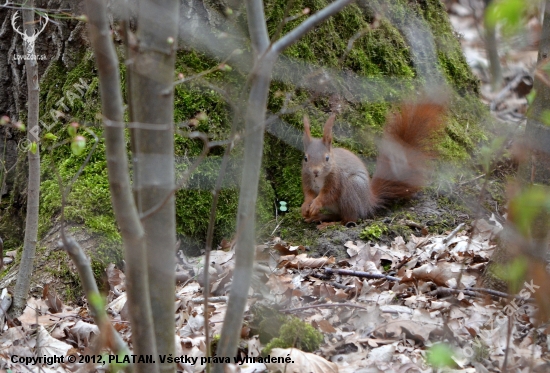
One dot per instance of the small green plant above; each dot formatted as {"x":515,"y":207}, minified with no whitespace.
{"x":513,"y":273}
{"x":528,"y":206}
{"x":440,"y":356}
{"x":481,"y":351}
{"x":373,"y":232}
{"x":296,"y":333}
{"x":510,"y":14}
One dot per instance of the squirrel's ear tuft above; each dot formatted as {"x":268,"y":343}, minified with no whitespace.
{"x":307,"y":132}
{"x":327,"y":130}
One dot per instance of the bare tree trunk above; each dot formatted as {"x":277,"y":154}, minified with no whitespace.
{"x":133,"y":236}
{"x":265,"y":56}
{"x":151,"y":83}
{"x":491,"y":46}
{"x":22,"y":286}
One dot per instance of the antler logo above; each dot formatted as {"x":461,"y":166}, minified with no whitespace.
{"x":29,"y":40}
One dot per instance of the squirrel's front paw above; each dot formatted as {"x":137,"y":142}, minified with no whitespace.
{"x":315,"y":207}
{"x":305,"y":209}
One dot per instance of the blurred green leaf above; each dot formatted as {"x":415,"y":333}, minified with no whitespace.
{"x":545,"y":117}
{"x":72,"y":129}
{"x":50,"y":136}
{"x":96,"y":300}
{"x":440,"y":356}
{"x":513,"y":272}
{"x":488,"y":152}
{"x":508,"y":13}
{"x":34,"y":147}
{"x":525,"y":207}
{"x":78,"y":145}
{"x":531,"y":96}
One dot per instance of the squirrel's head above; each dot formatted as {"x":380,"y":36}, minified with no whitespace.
{"x":318,"y":152}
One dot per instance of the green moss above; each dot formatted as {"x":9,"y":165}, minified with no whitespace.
{"x":73,"y":287}
{"x":373,"y":231}
{"x":107,"y":251}
{"x":194,"y":200}
{"x":296,"y":333}
{"x":380,"y":55}
{"x":88,"y":202}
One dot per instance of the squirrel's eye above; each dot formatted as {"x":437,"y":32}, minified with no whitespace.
{"x":305,"y":158}
{"x":326,"y":158}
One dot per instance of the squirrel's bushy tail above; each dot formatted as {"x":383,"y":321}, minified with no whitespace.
{"x":407,"y":147}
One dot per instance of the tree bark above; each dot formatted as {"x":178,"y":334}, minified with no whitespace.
{"x":151,"y":79}
{"x":133,"y":235}
{"x":491,"y":46}
{"x":23,"y":283}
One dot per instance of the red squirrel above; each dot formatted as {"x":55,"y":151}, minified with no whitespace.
{"x":337,"y":181}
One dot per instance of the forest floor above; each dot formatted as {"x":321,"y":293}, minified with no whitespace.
{"x":377,"y":297}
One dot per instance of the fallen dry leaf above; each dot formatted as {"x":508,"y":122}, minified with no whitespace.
{"x":300,"y":362}
{"x":302,"y":261}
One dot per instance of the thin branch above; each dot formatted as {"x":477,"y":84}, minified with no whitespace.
{"x":257,"y":26}
{"x":210,"y":237}
{"x":219,"y":299}
{"x":260,"y":79}
{"x":5,"y":304}
{"x":360,"y":274}
{"x":500,"y":294}
{"x":283,"y":43}
{"x":453,"y":233}
{"x":474,"y":292}
{"x":89,"y":285}
{"x":285,"y":20}
{"x":86,"y":275}
{"x":202,"y":73}
{"x":325,"y":305}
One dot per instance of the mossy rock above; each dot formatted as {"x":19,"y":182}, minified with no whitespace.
{"x":380,"y":53}
{"x":296,"y":333}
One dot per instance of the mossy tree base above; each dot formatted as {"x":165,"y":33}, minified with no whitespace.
{"x":380,"y":57}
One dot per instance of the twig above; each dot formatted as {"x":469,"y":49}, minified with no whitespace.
{"x":439,"y":291}
{"x":277,"y":227}
{"x":360,"y":274}
{"x":332,"y":283}
{"x":453,"y":233}
{"x":5,"y":304}
{"x":325,"y":305}
{"x":447,"y":291}
{"x":501,"y":294}
{"x":90,"y":289}
{"x":210,"y":299}
{"x":202,"y":73}
{"x":210,"y":231}
{"x":500,"y":96}
{"x":471,"y":180}
{"x":477,"y":292}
